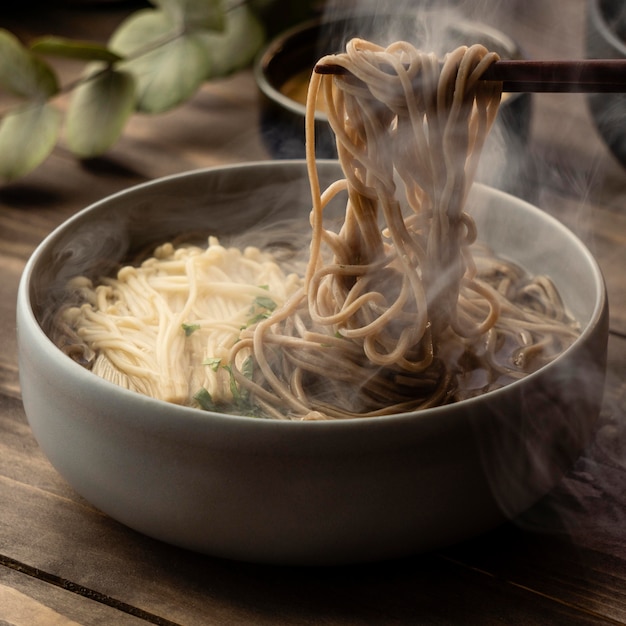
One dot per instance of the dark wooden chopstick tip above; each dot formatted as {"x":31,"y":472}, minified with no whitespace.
{"x":329,"y":68}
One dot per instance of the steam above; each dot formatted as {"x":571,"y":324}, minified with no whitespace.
{"x":126,"y":231}
{"x":588,"y":504}
{"x":536,"y":454}
{"x":441,"y":26}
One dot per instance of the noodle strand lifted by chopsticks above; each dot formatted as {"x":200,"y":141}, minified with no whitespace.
{"x":391,"y":291}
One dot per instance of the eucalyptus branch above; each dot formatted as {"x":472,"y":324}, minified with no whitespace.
{"x":154,"y":61}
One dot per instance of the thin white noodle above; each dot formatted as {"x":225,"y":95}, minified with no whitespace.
{"x":137,"y":325}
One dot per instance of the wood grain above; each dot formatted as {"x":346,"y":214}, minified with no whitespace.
{"x":28,"y":601}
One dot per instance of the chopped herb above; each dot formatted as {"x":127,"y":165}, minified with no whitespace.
{"x":257,"y":318}
{"x":241,"y":404}
{"x":190,"y":328}
{"x":261,"y":309}
{"x":234,"y":388}
{"x":265,"y":303}
{"x":241,"y":396}
{"x":213,"y":363}
{"x":204,"y":399}
{"x":248,"y":368}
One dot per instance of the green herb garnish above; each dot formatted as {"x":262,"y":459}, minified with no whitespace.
{"x":212,"y":362}
{"x":204,"y":399}
{"x":241,"y":404}
{"x":247,"y":368}
{"x":238,"y":395}
{"x":190,"y":328}
{"x":261,"y":309}
{"x":264,"y":302}
{"x":241,"y":396}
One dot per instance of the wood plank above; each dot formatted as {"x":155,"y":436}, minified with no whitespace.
{"x":550,"y":565}
{"x":120,"y":564}
{"x":26,"y":600}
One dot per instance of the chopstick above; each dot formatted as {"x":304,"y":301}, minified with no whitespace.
{"x":521,"y":76}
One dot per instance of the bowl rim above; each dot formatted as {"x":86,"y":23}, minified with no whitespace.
{"x":198,"y":418}
{"x":268,"y":52}
{"x":598,"y":18}
{"x":264,"y":58}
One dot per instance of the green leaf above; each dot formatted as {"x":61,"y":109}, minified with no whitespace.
{"x":212,"y":362}
{"x":74,"y":49}
{"x":22,"y":73}
{"x":190,"y":329}
{"x":234,"y":48}
{"x":168,"y":66}
{"x":204,"y":399}
{"x":98,"y":111}
{"x":265,"y":303}
{"x":142,"y":31}
{"x":194,"y":14}
{"x":27,"y":136}
{"x":247,"y":369}
{"x":236,"y":393}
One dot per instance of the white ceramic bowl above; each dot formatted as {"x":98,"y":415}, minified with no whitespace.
{"x":304,"y":492}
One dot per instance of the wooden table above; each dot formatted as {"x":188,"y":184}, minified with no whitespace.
{"x":562,"y":562}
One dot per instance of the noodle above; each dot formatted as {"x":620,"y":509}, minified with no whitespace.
{"x":399,"y":309}
{"x":163,"y":328}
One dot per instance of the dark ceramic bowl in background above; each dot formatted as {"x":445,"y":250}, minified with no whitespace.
{"x":295,"y":52}
{"x":606,"y":39}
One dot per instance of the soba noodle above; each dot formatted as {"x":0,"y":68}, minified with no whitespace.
{"x":397,"y":310}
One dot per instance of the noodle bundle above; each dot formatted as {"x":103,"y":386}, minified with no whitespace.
{"x":399,"y":309}
{"x":163,"y":328}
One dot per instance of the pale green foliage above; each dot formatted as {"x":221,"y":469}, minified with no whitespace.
{"x":27,"y":136}
{"x":156,"y":60}
{"x":72,"y":49}
{"x":237,"y":45}
{"x":99,"y":110}
{"x":194,"y":14}
{"x":173,"y":68}
{"x":22,"y":73}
